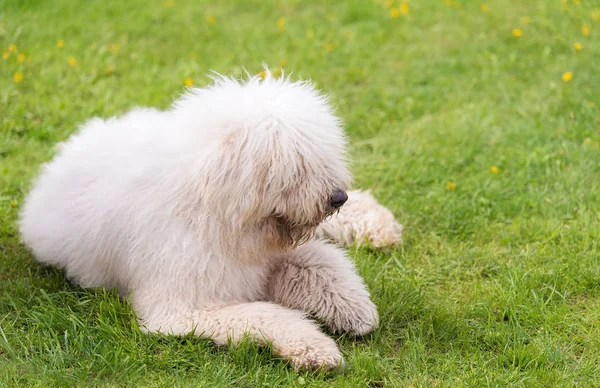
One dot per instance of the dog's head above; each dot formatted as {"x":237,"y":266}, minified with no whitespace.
{"x":275,"y":162}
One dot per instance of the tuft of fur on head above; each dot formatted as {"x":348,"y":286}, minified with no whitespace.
{"x":272,"y":153}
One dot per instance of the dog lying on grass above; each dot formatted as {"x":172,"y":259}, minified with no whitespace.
{"x":205,"y":215}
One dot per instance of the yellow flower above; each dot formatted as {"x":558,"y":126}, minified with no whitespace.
{"x":114,"y":48}
{"x":310,"y":34}
{"x":263,"y":74}
{"x":495,"y":170}
{"x":526,"y":19}
{"x":596,"y":15}
{"x":281,"y":24}
{"x":585,"y":30}
{"x":282,"y":63}
{"x":394,"y":13}
{"x":12,"y":48}
{"x":451,"y":186}
{"x":484,"y":8}
{"x":577,"y":2}
{"x":329,"y":48}
{"x":578,"y":46}
{"x":60,"y":43}
{"x":211,"y":19}
{"x":564,"y":5}
{"x":188,"y":82}
{"x":453,"y":4}
{"x":5,"y":54}
{"x":169,"y":3}
{"x":18,"y":77}
{"x":72,"y":62}
{"x":404,"y":8}
{"x":516,"y":32}
{"x":21,"y":58}
{"x":13,"y":203}
{"x":566,"y":77}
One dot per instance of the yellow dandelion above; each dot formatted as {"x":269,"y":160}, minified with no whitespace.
{"x":12,"y":48}
{"x":526,"y":19}
{"x":114,"y":48}
{"x":578,"y":46}
{"x":18,"y":77}
{"x":310,"y":34}
{"x":211,"y":19}
{"x":263,"y":74}
{"x":585,"y":30}
{"x":596,"y":15}
{"x":451,"y":186}
{"x":282,"y":63}
{"x":404,"y":8}
{"x":566,"y":77}
{"x":394,"y":13}
{"x":13,"y":203}
{"x":564,"y":5}
{"x":484,"y":8}
{"x":170,"y":3}
{"x":281,"y":24}
{"x":72,"y":62}
{"x":60,"y":43}
{"x":21,"y":58}
{"x":587,"y":140}
{"x":517,"y":32}
{"x":5,"y":54}
{"x":495,"y":170}
{"x":329,"y":48}
{"x":188,"y":82}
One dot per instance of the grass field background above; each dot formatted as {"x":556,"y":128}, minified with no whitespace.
{"x":477,"y":123}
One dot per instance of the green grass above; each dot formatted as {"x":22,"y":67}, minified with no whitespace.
{"x":498,"y":282}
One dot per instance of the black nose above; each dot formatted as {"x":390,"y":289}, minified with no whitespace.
{"x":338,"y":198}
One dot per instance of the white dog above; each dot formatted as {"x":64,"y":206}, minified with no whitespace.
{"x":204,"y":215}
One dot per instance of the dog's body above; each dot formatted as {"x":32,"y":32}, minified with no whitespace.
{"x":204,"y":215}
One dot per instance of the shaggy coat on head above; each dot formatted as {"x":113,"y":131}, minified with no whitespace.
{"x":205,"y":214}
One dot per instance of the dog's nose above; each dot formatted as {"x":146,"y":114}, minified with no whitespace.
{"x":338,"y":198}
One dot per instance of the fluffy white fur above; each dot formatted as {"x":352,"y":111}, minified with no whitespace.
{"x":204,"y":216}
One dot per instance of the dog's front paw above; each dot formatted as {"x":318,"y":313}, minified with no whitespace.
{"x":357,"y":318}
{"x":314,"y":354}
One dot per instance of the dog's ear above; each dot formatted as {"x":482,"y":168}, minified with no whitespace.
{"x":236,"y":176}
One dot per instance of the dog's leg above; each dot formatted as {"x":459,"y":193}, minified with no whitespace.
{"x":319,"y":278}
{"x":291,"y":335}
{"x":360,"y":221}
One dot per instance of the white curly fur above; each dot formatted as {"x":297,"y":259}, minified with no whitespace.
{"x":201,"y":215}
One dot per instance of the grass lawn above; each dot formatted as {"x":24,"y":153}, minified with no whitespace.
{"x":477,"y":124}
